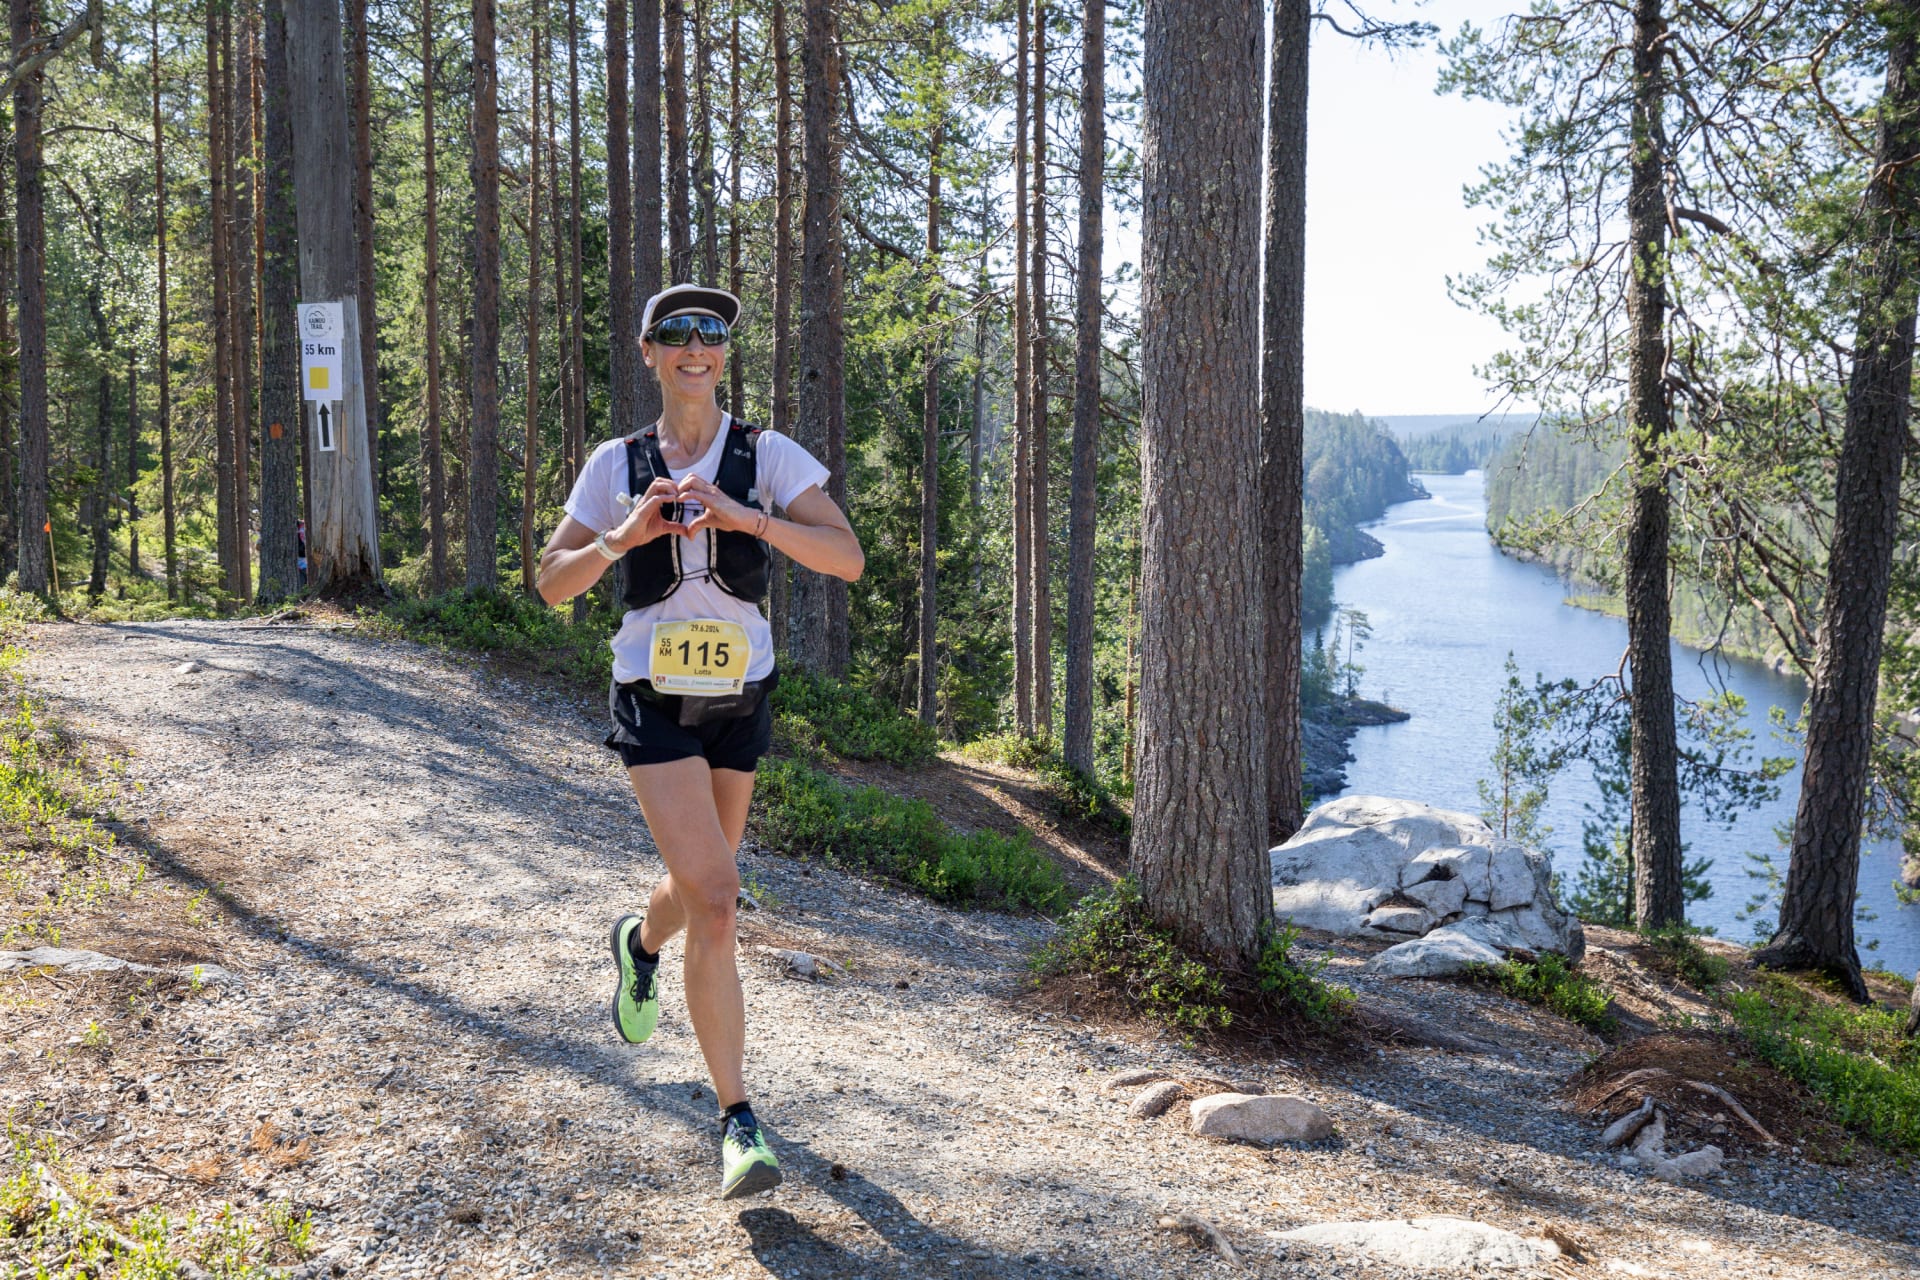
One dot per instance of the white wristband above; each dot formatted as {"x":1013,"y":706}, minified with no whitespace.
{"x":600,"y":545}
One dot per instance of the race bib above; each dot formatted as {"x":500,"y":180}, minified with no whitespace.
{"x":703,"y":657}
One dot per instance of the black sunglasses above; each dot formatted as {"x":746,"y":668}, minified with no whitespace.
{"x":677,"y":331}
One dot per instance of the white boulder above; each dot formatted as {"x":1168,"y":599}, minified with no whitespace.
{"x":1367,"y":866}
{"x":1264,"y":1118}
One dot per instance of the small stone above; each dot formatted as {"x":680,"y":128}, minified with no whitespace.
{"x":1443,"y":953}
{"x":1154,"y":1099}
{"x":1624,"y":1129}
{"x":1134,"y":1077}
{"x":186,"y":668}
{"x":1262,"y":1119}
{"x":1694,"y":1164}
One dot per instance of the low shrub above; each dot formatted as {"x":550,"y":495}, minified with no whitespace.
{"x":813,"y":713}
{"x":1856,"y":1058}
{"x":1110,"y":940}
{"x":807,"y":813}
{"x":517,"y":626}
{"x":1553,"y":983}
{"x":1078,"y":796}
{"x":1678,"y":953}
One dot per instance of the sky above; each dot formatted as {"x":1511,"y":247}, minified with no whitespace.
{"x":1386,"y":225}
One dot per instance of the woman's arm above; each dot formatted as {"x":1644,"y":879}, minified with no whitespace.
{"x":815,"y":533}
{"x":571,"y":563}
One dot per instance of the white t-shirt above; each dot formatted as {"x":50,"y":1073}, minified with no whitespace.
{"x":783,"y":472}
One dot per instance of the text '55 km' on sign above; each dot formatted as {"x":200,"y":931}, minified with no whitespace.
{"x":321,"y":330}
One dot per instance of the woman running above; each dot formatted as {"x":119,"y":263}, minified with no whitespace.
{"x":685,"y":506}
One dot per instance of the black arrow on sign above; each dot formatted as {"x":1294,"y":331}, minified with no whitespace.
{"x":326,"y":434}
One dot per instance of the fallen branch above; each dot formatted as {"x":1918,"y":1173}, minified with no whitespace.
{"x":1733,"y":1105}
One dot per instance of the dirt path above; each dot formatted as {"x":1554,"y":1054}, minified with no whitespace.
{"x":415,"y":866}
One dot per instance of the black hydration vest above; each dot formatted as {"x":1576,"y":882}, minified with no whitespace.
{"x":736,"y":562}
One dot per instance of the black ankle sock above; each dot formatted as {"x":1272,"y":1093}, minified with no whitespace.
{"x":639,"y":952}
{"x":737,"y":1109}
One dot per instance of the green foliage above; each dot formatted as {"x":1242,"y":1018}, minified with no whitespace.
{"x":1351,"y":631}
{"x":504,"y":622}
{"x":1553,"y":983}
{"x":814,"y":712}
{"x":1857,"y":1059}
{"x":1111,"y":940}
{"x":1352,"y":471}
{"x":1076,"y":795}
{"x":1677,"y":950}
{"x":806,"y":813}
{"x":1523,"y":762}
{"x":1468,"y":446}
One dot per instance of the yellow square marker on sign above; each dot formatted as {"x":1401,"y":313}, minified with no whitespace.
{"x":317,"y":377}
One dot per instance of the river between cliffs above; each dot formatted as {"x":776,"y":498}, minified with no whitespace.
{"x":1446,"y":607}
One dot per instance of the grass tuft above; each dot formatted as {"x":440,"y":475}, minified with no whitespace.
{"x":806,"y":813}
{"x":1554,"y":984}
{"x":813,"y":713}
{"x":1677,"y":952}
{"x":1112,"y":941}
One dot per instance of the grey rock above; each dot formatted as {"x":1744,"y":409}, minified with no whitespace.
{"x":1441,"y":898}
{"x":1410,"y":920}
{"x":1264,"y":1119}
{"x":1154,"y":1099}
{"x":1430,"y":1244}
{"x":1440,"y":954}
{"x":1519,"y":877}
{"x":1134,"y":1077}
{"x":68,"y":961}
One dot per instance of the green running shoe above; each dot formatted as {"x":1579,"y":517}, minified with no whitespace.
{"x":636,"y":1001}
{"x":747,"y":1162}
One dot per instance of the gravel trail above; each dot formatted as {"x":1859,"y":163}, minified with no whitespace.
{"x":415,"y":861}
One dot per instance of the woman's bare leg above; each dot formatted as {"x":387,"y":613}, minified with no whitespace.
{"x":698,"y":894}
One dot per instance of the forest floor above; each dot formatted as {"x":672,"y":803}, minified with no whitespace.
{"x":404,"y":864}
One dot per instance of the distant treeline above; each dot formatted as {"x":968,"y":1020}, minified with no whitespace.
{"x":1455,"y":450}
{"x":1536,"y":479}
{"x":1354,"y":470}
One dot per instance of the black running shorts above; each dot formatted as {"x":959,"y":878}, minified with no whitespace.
{"x":647,"y":730}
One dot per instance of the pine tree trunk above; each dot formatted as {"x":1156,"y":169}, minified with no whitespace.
{"x":736,"y":145}
{"x":782,"y":407}
{"x":679,"y":197}
{"x":225,"y":522}
{"x":623,"y":356}
{"x":9,"y":370}
{"x":435,"y":462}
{"x":1200,"y":801}
{"x":1022,"y":487}
{"x":703,"y":164}
{"x":241,"y":316}
{"x":1077,"y":746}
{"x":163,"y":357}
{"x":820,"y":421}
{"x":360,"y":106}
{"x":1659,"y":894}
{"x":576,"y":324}
{"x":530,"y":444}
{"x":1816,"y":914}
{"x":102,"y":501}
{"x":646,"y":187}
{"x":930,"y":443}
{"x":483,"y":460}
{"x":133,"y":465}
{"x":343,"y":537}
{"x":562,"y":295}
{"x":1282,"y":401}
{"x":279,"y":345}
{"x":1039,"y":450}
